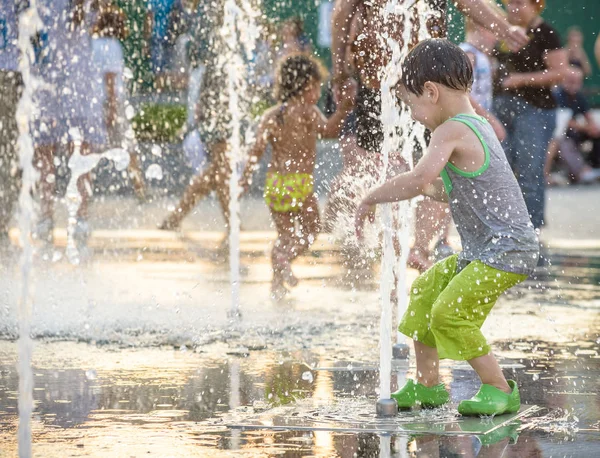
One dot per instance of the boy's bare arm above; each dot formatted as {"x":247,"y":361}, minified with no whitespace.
{"x":436,"y":191}
{"x":422,"y":179}
{"x":416,"y":182}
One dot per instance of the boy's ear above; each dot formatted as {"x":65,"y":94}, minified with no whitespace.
{"x":431,"y":91}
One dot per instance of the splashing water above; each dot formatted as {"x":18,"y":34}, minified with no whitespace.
{"x":29,"y":24}
{"x":398,"y":132}
{"x":154,"y":172}
{"x":80,"y":165}
{"x":240,"y":33}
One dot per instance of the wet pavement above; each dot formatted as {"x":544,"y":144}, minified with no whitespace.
{"x":135,"y":356}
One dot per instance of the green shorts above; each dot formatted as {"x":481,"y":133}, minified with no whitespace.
{"x":447,"y":309}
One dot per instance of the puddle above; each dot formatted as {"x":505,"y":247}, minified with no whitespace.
{"x":152,"y":391}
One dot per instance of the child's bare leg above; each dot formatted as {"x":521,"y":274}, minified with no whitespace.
{"x":200,"y":187}
{"x":222,"y":190}
{"x":489,"y":372}
{"x":281,"y":254}
{"x":135,"y":172}
{"x":84,"y":187}
{"x":213,"y":178}
{"x":428,"y":364}
{"x":44,"y":162}
{"x":310,"y":226}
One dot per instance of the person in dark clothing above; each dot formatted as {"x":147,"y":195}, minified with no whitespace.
{"x":523,"y":99}
{"x":582,"y":128}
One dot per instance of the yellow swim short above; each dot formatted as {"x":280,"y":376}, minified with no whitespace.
{"x":287,"y":192}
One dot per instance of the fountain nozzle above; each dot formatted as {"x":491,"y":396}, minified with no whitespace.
{"x":386,"y":408}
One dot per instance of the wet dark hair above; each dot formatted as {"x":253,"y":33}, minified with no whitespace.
{"x":439,"y":61}
{"x":294,"y":73}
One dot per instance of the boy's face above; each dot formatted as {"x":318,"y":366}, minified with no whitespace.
{"x":422,"y":107}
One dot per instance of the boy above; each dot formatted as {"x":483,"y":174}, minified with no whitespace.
{"x":450,"y":301}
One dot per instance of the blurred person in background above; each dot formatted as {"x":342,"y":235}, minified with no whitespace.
{"x":582,"y":129}
{"x":10,"y":91}
{"x":110,"y":29}
{"x":577,"y":55}
{"x":213,"y":120}
{"x":67,"y":102}
{"x":523,"y":99}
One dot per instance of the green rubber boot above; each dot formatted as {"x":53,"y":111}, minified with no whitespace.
{"x":489,"y":400}
{"x":413,"y":394}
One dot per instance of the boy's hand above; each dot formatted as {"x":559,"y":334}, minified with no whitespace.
{"x":363,"y":212}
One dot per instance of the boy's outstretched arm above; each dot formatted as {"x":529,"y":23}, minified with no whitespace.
{"x":255,"y":153}
{"x":418,"y":181}
{"x":436,"y":191}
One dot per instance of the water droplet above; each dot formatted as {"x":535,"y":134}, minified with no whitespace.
{"x":307,"y":376}
{"x":129,"y":112}
{"x":156,"y":150}
{"x":154,"y":171}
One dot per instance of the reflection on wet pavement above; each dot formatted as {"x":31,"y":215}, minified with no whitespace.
{"x":175,"y":399}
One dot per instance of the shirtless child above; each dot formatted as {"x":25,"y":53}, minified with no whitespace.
{"x":291,"y":128}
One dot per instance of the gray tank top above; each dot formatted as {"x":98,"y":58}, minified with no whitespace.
{"x":488,"y":208}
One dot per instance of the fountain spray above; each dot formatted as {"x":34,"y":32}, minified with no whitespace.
{"x":29,"y":24}
{"x":393,"y":118}
{"x":240,"y":34}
